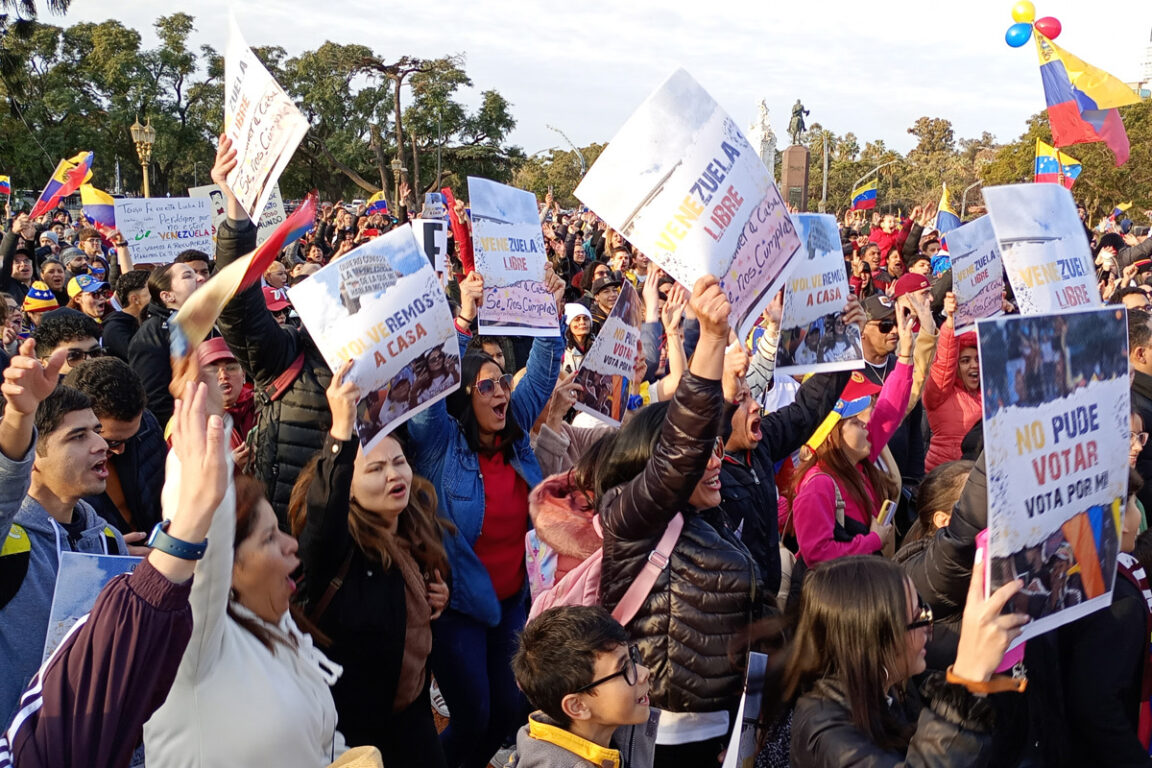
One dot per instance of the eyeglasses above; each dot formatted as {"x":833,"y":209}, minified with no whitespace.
{"x":1141,"y":438}
{"x":487,"y":387}
{"x":923,"y":617}
{"x":885,"y":326}
{"x":213,"y":369}
{"x":80,"y":355}
{"x":628,"y":672}
{"x":115,"y":445}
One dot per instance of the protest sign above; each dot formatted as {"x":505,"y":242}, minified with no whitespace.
{"x":509,"y":249}
{"x":814,"y":337}
{"x":261,"y":120}
{"x":382,"y":306}
{"x":434,"y":207}
{"x":1044,"y":248}
{"x":609,"y":366}
{"x":977,"y":273}
{"x":79,"y":580}
{"x":270,"y":218}
{"x":432,"y":235}
{"x":1056,"y":440}
{"x":744,"y":744}
{"x":682,"y":184}
{"x":159,"y":228}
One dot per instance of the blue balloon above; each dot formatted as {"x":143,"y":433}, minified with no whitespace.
{"x":1018,"y":34}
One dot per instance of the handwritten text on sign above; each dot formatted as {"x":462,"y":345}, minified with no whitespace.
{"x":158,"y":229}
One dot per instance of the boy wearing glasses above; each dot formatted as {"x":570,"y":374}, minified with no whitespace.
{"x":591,"y":690}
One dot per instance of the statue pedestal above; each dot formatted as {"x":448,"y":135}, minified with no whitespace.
{"x":794,"y":177}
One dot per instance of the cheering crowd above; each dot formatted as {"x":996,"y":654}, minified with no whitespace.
{"x":299,"y":596}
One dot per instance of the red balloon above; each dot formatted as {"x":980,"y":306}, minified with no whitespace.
{"x":1049,"y":26}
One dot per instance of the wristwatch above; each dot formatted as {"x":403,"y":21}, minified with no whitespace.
{"x":185,"y":550}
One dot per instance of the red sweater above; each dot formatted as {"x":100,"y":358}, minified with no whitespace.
{"x":500,"y":545}
{"x":952,"y":408}
{"x":889,"y":240}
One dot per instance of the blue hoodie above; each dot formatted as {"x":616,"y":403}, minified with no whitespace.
{"x":24,"y":620}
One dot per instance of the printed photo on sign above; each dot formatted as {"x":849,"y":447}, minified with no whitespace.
{"x":977,"y":273}
{"x":508,"y":245}
{"x":382,"y":306}
{"x":271,"y":217}
{"x":261,"y":120}
{"x":609,"y":367}
{"x":814,"y":337}
{"x":681,"y":182}
{"x":79,"y":580}
{"x":1056,"y":441}
{"x":1044,"y":248}
{"x":158,"y":229}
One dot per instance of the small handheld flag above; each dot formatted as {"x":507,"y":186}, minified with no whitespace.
{"x":946,"y":218}
{"x":864,"y":196}
{"x":67,"y":178}
{"x":378,"y":203}
{"x":5,"y":186}
{"x":1055,"y":167}
{"x":99,"y":207}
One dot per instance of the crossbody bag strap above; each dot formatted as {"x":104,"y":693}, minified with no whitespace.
{"x":657,"y":560}
{"x":333,"y":587}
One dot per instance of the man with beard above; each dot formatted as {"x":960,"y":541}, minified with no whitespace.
{"x":51,"y":456}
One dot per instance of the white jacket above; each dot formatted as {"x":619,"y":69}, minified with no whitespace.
{"x":234,"y":703}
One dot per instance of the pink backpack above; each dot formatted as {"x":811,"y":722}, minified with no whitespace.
{"x":581,"y":585}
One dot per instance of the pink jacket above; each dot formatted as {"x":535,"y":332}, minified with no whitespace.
{"x":952,"y":408}
{"x":814,"y":508}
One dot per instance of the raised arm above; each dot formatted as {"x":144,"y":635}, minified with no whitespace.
{"x":942,"y":374}
{"x":534,"y":390}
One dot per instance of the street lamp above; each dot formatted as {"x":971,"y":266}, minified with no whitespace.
{"x":397,"y":169}
{"x":144,"y":136}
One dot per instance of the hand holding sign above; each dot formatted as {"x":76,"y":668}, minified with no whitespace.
{"x":984,"y":633}
{"x":471,"y":295}
{"x":343,"y":396}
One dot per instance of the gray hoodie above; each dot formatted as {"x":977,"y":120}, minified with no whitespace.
{"x":24,"y":619}
{"x":635,"y":743}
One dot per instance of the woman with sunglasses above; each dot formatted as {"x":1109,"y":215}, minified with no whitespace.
{"x":474,"y":447}
{"x":662,"y":466}
{"x":860,"y":642}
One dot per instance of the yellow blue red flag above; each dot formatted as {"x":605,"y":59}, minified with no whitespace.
{"x":67,"y":178}
{"x":1055,"y":167}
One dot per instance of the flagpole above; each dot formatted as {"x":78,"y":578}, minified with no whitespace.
{"x":865,"y":178}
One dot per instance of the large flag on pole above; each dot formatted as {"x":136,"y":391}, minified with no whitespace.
{"x":1055,"y":167}
{"x":68,"y":177}
{"x":1083,"y":100}
{"x":378,"y":203}
{"x":99,"y":207}
{"x":864,"y":196}
{"x":946,"y":218}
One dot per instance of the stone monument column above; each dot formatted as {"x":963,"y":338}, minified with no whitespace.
{"x":763,"y":138}
{"x":794,"y":169}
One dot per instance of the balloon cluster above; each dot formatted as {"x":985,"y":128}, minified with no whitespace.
{"x":1024,"y":14}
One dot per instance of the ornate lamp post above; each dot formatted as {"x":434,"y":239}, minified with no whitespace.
{"x":144,"y":136}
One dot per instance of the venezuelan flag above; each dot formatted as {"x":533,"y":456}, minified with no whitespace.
{"x":6,"y":186}
{"x":99,"y":207}
{"x":946,"y":218}
{"x":191,"y":325}
{"x":69,"y":175}
{"x":376,"y":204}
{"x":1050,"y":161}
{"x":864,"y":197}
{"x":1083,"y":100}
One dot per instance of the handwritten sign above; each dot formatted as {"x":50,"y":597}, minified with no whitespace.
{"x":271,"y":217}
{"x":261,"y":120}
{"x":608,"y":369}
{"x":1056,"y":438}
{"x":1044,"y":248}
{"x":382,"y":306}
{"x":814,"y":337}
{"x":681,"y":183}
{"x":509,"y":249}
{"x":158,"y":229}
{"x":977,"y":273}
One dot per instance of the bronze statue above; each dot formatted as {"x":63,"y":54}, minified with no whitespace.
{"x":796,"y":126}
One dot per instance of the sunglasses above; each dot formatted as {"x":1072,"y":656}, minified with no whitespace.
{"x":80,"y":355}
{"x":885,"y":326}
{"x":923,"y":617}
{"x":487,"y":387}
{"x":629,"y":672}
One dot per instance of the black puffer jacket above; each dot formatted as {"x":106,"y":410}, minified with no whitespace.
{"x":953,"y":728}
{"x":291,"y":428}
{"x":149,"y":356}
{"x":711,"y":588}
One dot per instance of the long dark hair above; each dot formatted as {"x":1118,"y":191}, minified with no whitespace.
{"x":853,"y":614}
{"x":938,"y":492}
{"x":460,"y":406}
{"x":629,"y":450}
{"x":418,"y":524}
{"x":830,"y":457}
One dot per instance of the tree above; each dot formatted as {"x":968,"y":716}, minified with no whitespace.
{"x":559,"y":170}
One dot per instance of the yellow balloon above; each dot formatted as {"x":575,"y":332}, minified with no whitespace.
{"x":1024,"y":12}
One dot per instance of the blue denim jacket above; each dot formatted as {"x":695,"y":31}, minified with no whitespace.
{"x":440,"y":452}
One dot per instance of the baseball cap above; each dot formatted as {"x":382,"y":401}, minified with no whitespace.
{"x":274,"y":299}
{"x":854,"y":399}
{"x":605,"y":282}
{"x":212,"y":350}
{"x":85,"y":284}
{"x":910,"y":283}
{"x":879,"y":307}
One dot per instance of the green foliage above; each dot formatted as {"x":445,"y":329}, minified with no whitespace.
{"x":559,"y":170}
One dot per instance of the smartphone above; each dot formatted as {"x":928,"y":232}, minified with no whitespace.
{"x":887,"y":512}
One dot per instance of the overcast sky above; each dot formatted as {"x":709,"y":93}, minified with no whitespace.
{"x":870,"y":68}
